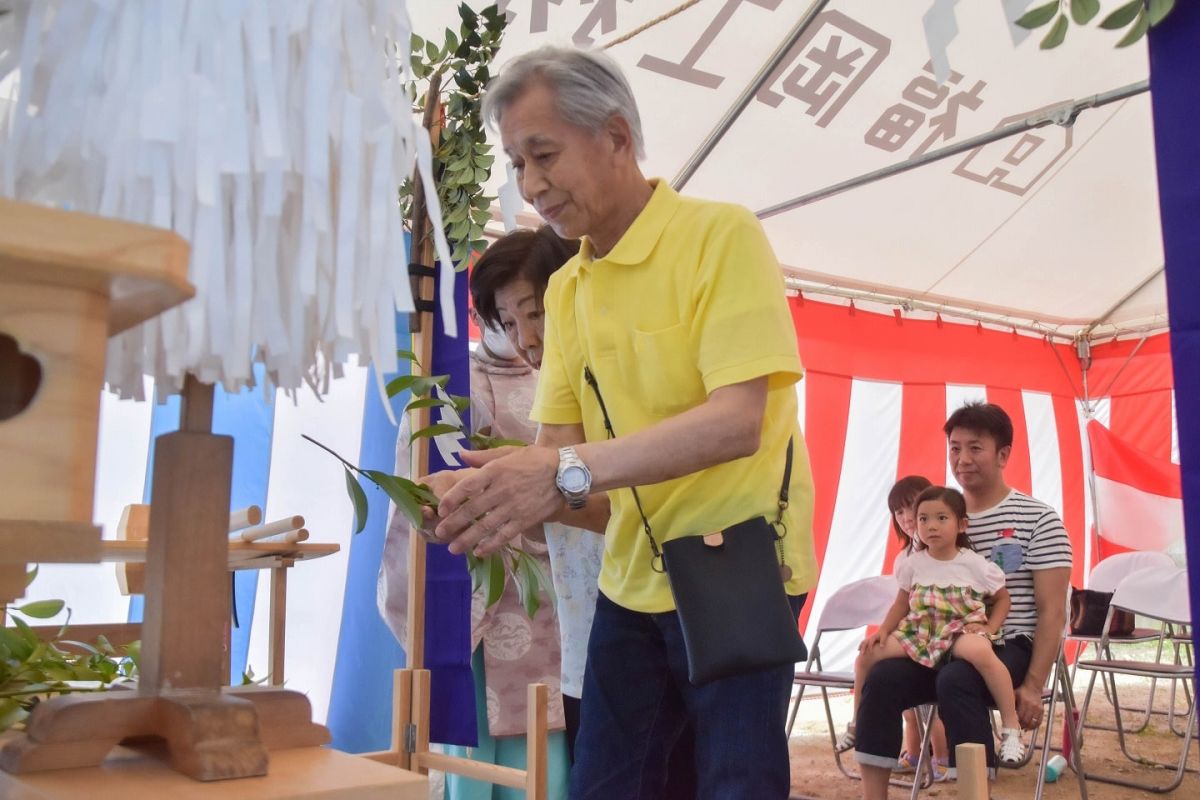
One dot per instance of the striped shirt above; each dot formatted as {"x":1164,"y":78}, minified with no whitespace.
{"x":1020,"y":535}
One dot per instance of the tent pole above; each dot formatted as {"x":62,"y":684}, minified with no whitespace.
{"x":1063,"y":115}
{"x":710,"y":142}
{"x":1083,"y":349}
{"x":1124,"y":299}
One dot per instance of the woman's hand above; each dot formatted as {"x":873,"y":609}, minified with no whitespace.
{"x":976,"y":628}
{"x":876,"y":639}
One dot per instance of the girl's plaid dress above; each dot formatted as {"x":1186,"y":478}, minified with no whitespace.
{"x":944,"y":597}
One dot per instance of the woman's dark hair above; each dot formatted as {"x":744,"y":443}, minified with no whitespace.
{"x":953,"y":500}
{"x":532,"y":255}
{"x":902,"y":495}
{"x":986,"y":418}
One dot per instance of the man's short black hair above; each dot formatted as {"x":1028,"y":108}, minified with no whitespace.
{"x":986,"y":418}
{"x":530,"y":254}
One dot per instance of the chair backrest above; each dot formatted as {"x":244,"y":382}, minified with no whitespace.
{"x":1109,"y":572}
{"x":864,"y":602}
{"x":1159,"y":592}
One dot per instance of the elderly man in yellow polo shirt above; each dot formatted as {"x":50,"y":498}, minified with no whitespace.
{"x":677,"y":308}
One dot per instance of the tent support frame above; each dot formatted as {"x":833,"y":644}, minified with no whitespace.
{"x":1061,"y":115}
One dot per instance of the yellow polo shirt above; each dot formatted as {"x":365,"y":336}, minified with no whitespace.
{"x":689,"y":300}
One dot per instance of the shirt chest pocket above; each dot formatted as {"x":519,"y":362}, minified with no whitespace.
{"x":664,"y":371}
{"x":1008,"y":555}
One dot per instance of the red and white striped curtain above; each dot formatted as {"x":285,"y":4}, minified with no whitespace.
{"x":878,"y":389}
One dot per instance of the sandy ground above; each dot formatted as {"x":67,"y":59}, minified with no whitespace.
{"x":815,"y":775}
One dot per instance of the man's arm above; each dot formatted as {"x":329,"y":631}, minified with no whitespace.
{"x":511,"y":493}
{"x":1050,"y":598}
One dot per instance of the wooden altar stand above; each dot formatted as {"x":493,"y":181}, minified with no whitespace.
{"x":68,"y":281}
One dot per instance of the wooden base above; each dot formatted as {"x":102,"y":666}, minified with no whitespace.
{"x":208,"y":735}
{"x":308,"y":772}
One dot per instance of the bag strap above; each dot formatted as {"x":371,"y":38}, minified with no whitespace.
{"x":656,"y":562}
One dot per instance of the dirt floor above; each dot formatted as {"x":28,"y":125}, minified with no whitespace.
{"x":815,"y":775}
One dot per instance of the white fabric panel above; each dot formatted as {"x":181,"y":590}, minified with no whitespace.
{"x":801,"y":406}
{"x":1102,"y":411}
{"x":307,"y":481}
{"x":958,"y":395}
{"x":858,"y":533}
{"x":1174,"y":431}
{"x":90,"y":590}
{"x":1044,"y":460}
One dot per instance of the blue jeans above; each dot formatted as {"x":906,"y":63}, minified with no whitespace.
{"x":637,"y":700}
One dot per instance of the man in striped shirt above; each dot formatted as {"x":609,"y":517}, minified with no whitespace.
{"x":1026,"y":538}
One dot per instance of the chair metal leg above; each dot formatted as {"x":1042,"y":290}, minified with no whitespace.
{"x":924,"y":774}
{"x":1180,"y":766}
{"x":794,"y":710}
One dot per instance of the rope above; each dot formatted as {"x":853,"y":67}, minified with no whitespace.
{"x":661,"y":18}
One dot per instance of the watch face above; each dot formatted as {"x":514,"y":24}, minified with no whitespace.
{"x":574,"y":479}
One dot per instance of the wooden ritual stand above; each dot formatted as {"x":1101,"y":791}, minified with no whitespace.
{"x":67,"y":281}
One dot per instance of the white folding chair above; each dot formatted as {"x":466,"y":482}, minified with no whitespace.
{"x":856,"y":605}
{"x":1162,"y":594}
{"x":1104,"y":578}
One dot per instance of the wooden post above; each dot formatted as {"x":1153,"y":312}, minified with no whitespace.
{"x":278,"y":632}
{"x":971,"y":761}
{"x":538,"y":696}
{"x":187,"y":596}
{"x":421,"y":325}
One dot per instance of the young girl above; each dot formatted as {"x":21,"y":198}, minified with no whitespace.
{"x":901,"y":502}
{"x":940,"y":609}
{"x":902,"y":507}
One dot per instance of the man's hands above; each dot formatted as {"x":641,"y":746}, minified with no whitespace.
{"x":506,"y":491}
{"x":1029,"y":705}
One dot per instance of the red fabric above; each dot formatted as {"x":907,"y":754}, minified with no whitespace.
{"x":1144,"y":421}
{"x":1148,"y":371}
{"x":827,"y":412}
{"x":922,"y":445}
{"x":1120,"y":461}
{"x":1019,"y":473}
{"x":866,"y":345}
{"x":1070,"y":457}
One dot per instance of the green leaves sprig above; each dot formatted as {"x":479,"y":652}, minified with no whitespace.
{"x":31,"y":669}
{"x":1138,"y":15}
{"x":462,"y":159}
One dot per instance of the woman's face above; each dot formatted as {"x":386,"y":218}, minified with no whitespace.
{"x":523,"y":320}
{"x":906,"y":518}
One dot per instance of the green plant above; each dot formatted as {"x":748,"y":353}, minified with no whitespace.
{"x":462,"y":158}
{"x":1137,"y":16}
{"x":31,"y":669}
{"x":489,"y":574}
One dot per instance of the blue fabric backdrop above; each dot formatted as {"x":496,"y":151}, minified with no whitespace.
{"x":1175,"y":93}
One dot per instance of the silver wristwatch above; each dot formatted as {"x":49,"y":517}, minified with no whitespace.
{"x":574,"y":479}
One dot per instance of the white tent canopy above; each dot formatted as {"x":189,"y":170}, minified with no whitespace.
{"x":1057,"y":226}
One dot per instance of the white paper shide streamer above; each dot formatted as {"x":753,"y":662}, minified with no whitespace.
{"x":271,"y":134}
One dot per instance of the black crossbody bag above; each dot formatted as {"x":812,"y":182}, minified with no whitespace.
{"x":728,"y":588}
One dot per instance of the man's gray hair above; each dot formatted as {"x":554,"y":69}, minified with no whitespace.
{"x":589,"y":86}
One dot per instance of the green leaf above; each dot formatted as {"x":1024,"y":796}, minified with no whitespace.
{"x":359,"y":498}
{"x":398,"y":489}
{"x":1122,"y":16}
{"x":11,"y":712}
{"x":425,"y":402}
{"x":460,"y":402}
{"x":1037,"y":17}
{"x":1140,"y":26}
{"x":527,"y":583}
{"x":436,"y":429}
{"x":42,"y":609}
{"x":17,"y":646}
{"x":400,"y":384}
{"x":29,"y":576}
{"x":469,"y":17}
{"x":1058,"y":32}
{"x":495,"y":580}
{"x":431,"y":51}
{"x":423,"y":385}
{"x":1158,"y":10}
{"x":1082,"y":11}
{"x":408,"y":355}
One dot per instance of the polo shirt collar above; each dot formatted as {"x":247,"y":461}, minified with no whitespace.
{"x":635,"y":244}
